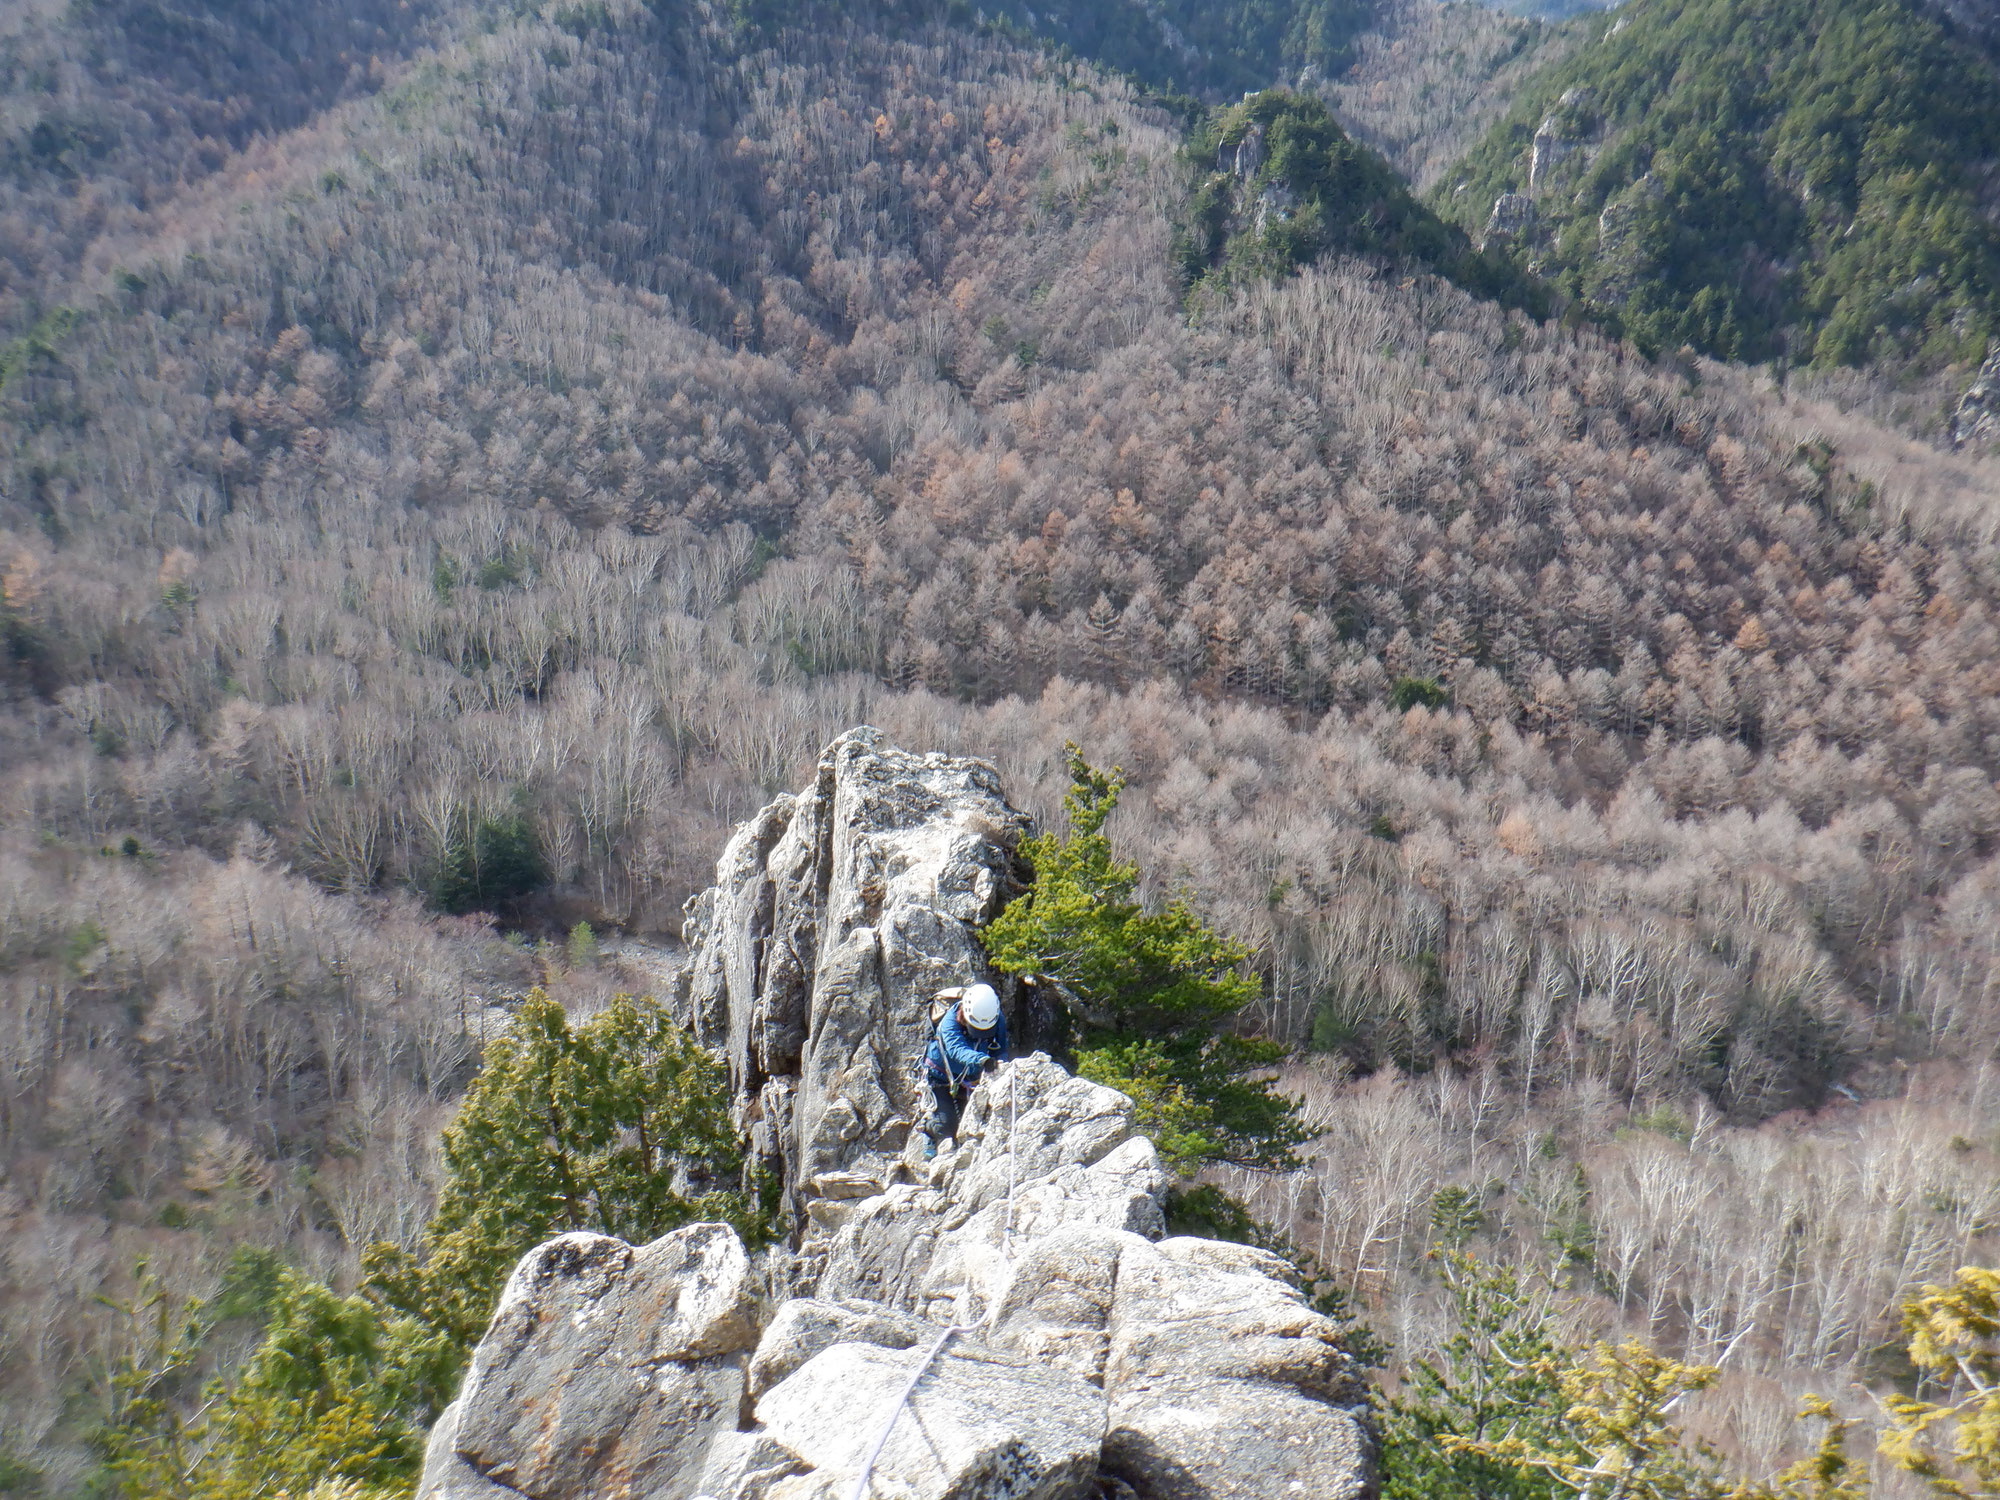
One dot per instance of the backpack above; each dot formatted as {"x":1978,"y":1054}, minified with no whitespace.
{"x":942,"y":1002}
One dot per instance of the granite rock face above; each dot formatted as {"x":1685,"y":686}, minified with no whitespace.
{"x":835,"y":917}
{"x":607,"y":1369}
{"x":1224,"y":1385}
{"x":980,"y":1425}
{"x":943,"y":1248}
{"x":1513,"y":218}
{"x":446,"y":1475}
{"x":806,"y":1326}
{"x":1087,"y":1354}
{"x":1563,"y":131}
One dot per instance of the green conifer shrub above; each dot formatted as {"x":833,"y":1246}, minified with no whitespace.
{"x":620,"y":1125}
{"x":499,"y":862}
{"x":1157,"y":987}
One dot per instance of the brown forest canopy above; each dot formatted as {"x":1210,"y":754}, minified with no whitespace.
{"x":483,"y":485}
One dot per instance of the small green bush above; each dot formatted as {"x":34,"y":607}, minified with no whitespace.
{"x":1408,"y":692}
{"x":1159,"y":988}
{"x":497,"y":865}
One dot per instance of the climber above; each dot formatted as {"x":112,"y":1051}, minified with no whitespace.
{"x":967,"y":1041}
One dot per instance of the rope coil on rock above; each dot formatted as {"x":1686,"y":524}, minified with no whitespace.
{"x":861,"y":1480}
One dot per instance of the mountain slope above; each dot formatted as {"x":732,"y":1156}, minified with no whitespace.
{"x":487,"y":490}
{"x":109,"y":107}
{"x":1429,"y":80}
{"x":1212,"y":50}
{"x":1761,"y":178}
{"x":1288,"y":186}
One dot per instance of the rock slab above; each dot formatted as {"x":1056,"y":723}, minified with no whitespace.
{"x":607,"y":1369}
{"x":1066,"y":1149}
{"x":1224,"y":1385}
{"x":977,"y":1425}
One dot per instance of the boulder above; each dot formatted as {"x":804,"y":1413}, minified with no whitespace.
{"x":805,"y":1326}
{"x":978,"y":1425}
{"x":1237,"y":1440}
{"x":1224,"y":1385}
{"x":1204,"y":1308}
{"x":606,"y":1369}
{"x":836,"y":915}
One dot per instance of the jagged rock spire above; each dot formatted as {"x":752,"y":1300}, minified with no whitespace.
{"x":835,"y":916}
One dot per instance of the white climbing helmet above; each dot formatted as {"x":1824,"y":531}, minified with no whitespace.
{"x":980,"y":1007}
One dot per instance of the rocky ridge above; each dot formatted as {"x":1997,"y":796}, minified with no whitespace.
{"x":1092,"y":1354}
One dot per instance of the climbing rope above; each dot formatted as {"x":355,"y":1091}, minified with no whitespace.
{"x":861,"y":1480}
{"x":1007,"y":1217}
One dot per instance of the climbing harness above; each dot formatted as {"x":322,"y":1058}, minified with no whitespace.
{"x":861,"y":1480}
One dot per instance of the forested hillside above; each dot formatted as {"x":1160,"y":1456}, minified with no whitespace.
{"x":1279,"y":185}
{"x":1208,"y":50}
{"x":1760,"y":180}
{"x":1429,"y":80}
{"x":112,"y":106}
{"x":431,"y":517}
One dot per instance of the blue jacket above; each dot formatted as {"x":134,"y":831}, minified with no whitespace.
{"x":958,"y":1053}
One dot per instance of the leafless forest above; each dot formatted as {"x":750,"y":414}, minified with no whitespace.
{"x":582,"y":421}
{"x":1431,"y":79}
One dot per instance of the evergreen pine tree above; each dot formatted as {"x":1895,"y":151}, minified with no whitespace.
{"x":1157,"y":990}
{"x":620,"y":1125}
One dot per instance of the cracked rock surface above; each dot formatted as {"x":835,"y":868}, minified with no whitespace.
{"x":1098,"y":1358}
{"x":1182,"y":1369}
{"x":980,"y":1424}
{"x":607,"y":1369}
{"x":835,"y":917}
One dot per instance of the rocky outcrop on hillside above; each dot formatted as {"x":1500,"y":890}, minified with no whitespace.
{"x":1017,"y":1304}
{"x":1977,"y":418}
{"x":1097,"y":1357}
{"x":1624,"y":260}
{"x":835,"y":915}
{"x":1513,"y":218}
{"x":1565,"y":130}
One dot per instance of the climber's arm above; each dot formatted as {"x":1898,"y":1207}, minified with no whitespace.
{"x":962,"y":1060}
